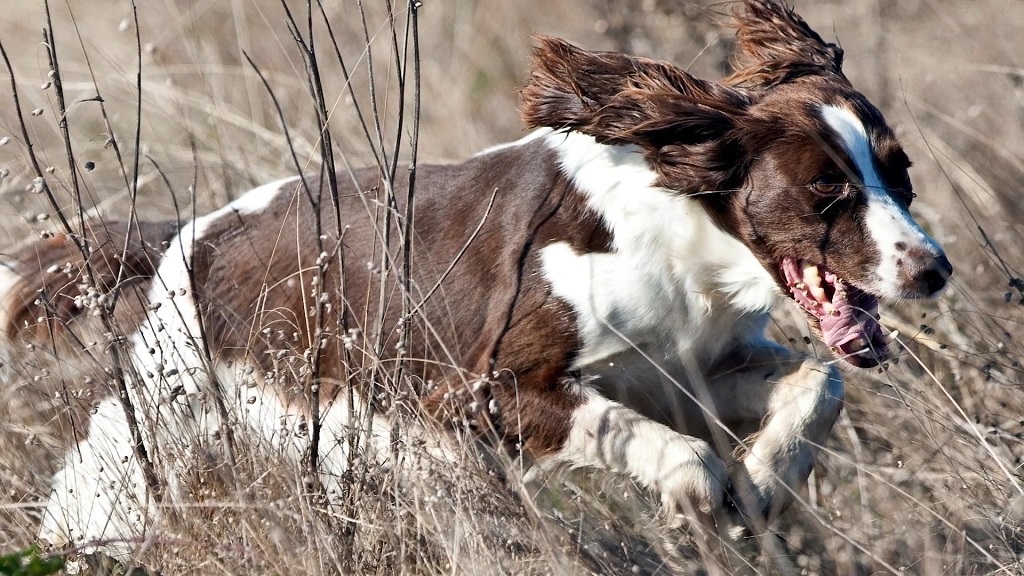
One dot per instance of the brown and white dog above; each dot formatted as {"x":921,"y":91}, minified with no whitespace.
{"x":585,"y":294}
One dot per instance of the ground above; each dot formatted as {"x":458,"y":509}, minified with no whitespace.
{"x":922,"y":471}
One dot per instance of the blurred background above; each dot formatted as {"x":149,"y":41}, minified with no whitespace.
{"x":923,"y":470}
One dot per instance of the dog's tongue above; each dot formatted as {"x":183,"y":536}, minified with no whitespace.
{"x":852,"y":327}
{"x":846,"y":315}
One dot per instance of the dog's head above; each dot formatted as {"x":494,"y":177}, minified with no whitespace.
{"x":786,"y":155}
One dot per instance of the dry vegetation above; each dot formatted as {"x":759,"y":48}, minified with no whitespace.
{"x":922,"y":471}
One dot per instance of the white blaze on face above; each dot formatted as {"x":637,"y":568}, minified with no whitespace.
{"x":887,"y":221}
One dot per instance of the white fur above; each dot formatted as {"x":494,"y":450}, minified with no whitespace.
{"x":887,"y":221}
{"x":671,"y":264}
{"x":282,"y":427}
{"x":535,"y":135}
{"x":8,"y":279}
{"x":805,"y":399}
{"x":677,"y":291}
{"x":166,"y":354}
{"x":99,"y":494}
{"x":251,"y":202}
{"x":686,"y":471}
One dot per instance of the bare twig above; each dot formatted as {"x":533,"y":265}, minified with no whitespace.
{"x":81,"y":244}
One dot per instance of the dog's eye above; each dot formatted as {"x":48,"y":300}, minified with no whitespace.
{"x":830,"y":186}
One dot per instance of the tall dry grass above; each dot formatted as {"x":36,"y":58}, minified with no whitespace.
{"x":921,"y":474}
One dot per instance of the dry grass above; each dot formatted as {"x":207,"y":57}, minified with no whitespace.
{"x":922,"y":472}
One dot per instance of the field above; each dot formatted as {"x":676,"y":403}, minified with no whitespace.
{"x":922,"y":472}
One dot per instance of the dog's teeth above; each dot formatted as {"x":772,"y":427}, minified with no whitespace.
{"x":891,"y":336}
{"x":830,"y":308}
{"x":800,"y":286}
{"x":811,"y":272}
{"x":819,"y":293}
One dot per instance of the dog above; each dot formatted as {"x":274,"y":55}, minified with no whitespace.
{"x":593,"y":295}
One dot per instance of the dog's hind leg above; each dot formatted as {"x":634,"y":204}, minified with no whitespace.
{"x":99,"y":496}
{"x":49,"y":297}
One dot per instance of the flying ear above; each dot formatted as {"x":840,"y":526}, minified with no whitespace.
{"x":568,"y":85}
{"x":682,"y":124}
{"x":622,"y":99}
{"x":777,"y":46}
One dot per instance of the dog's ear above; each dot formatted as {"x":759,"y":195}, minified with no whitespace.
{"x":621,"y":99}
{"x":678,"y":120}
{"x":568,"y":85}
{"x":777,"y":46}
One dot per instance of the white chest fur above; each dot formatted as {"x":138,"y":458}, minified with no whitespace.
{"x":674,"y":286}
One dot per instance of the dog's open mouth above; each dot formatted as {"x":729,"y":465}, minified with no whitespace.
{"x":847,"y":316}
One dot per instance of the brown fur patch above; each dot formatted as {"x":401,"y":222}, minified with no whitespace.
{"x":488,"y":314}
{"x":684,"y":125}
{"x":777,"y":46}
{"x":53,"y":272}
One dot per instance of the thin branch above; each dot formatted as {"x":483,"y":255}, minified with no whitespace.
{"x":407,"y":232}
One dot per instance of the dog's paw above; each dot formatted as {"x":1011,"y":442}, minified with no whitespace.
{"x":760,"y":491}
{"x":52,"y":535}
{"x":692,"y":480}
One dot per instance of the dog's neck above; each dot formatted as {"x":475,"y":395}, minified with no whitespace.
{"x":675,"y":285}
{"x":672,"y":237}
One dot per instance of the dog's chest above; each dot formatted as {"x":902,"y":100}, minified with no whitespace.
{"x":632,"y":311}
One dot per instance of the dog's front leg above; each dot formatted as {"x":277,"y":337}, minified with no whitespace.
{"x":796,"y":399}
{"x":686,"y":471}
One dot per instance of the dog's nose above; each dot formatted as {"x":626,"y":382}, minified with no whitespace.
{"x":933,"y":278}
